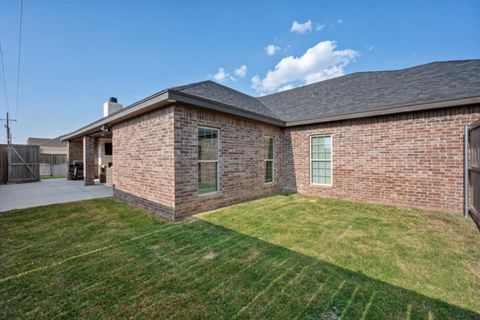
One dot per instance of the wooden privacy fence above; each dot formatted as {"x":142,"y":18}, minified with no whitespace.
{"x":19,"y":163}
{"x":53,"y":164}
{"x":3,"y":164}
{"x":472,"y":171}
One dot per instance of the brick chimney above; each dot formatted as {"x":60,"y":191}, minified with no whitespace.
{"x":111,"y":106}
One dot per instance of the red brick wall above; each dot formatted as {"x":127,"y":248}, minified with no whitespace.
{"x":241,"y":160}
{"x":89,"y":155}
{"x":143,"y":157}
{"x":413,"y":159}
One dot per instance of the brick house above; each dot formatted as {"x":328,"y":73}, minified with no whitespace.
{"x":392,"y":137}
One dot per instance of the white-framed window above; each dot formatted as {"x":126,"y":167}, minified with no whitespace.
{"x":208,"y":175}
{"x":321,"y":160}
{"x":268,"y":158}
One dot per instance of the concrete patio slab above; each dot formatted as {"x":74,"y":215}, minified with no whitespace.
{"x":27,"y":195}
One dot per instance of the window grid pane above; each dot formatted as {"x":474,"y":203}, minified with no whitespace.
{"x":207,"y":176}
{"x":321,"y":160}
{"x":268,"y":158}
{"x":207,"y":144}
{"x":207,"y":160}
{"x":268,"y":148}
{"x":268,"y":171}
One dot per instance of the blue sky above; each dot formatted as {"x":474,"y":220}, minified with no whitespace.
{"x":76,"y":54}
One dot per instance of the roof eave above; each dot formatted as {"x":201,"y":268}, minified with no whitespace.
{"x":162,"y":99}
{"x":388,"y":111}
{"x":220,"y":107}
{"x":148,"y":104}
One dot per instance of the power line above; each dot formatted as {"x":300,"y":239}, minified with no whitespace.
{"x":9,"y":135}
{"x":4,"y":82}
{"x":19,"y":56}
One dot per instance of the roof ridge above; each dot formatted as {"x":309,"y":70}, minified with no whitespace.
{"x":245,"y":94}
{"x":186,"y":86}
{"x":231,"y":89}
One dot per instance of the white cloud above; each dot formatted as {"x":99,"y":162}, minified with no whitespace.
{"x":271,"y":49}
{"x":286,"y":87}
{"x":320,"y":27}
{"x":339,"y":21}
{"x":222,"y":76}
{"x":301,"y":27}
{"x":256,"y":82}
{"x":241,"y":72}
{"x":318,"y":63}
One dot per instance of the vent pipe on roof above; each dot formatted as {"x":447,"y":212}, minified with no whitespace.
{"x":111,"y":106}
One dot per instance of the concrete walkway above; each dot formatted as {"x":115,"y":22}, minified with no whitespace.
{"x":26,"y":195}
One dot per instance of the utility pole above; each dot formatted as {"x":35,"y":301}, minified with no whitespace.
{"x":7,"y":126}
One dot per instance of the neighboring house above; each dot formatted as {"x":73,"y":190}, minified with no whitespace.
{"x":48,"y":145}
{"x":391,"y":137}
{"x":53,"y":154}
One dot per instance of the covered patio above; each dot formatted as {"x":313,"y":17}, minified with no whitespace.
{"x":96,"y":153}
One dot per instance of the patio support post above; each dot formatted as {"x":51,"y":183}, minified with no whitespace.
{"x":88,"y":160}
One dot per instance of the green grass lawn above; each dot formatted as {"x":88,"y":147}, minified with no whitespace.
{"x":52,"y":177}
{"x":286,"y":256}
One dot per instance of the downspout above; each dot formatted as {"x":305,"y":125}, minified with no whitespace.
{"x":466,"y":173}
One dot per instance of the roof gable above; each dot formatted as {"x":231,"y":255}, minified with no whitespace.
{"x":213,"y":91}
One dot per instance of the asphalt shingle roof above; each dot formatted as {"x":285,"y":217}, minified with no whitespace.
{"x":47,"y":142}
{"x":367,"y":91}
{"x":216,"y":92}
{"x":354,"y":93}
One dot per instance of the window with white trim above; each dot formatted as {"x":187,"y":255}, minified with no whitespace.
{"x":268,"y":159}
{"x":207,"y":160}
{"x":321,"y":160}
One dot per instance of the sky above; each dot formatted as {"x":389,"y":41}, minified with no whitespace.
{"x":76,"y":54}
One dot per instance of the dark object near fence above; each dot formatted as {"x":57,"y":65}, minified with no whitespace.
{"x":19,"y":163}
{"x":472,"y":171}
{"x":103,"y":174}
{"x":75,"y":171}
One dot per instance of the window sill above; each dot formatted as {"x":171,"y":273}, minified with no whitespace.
{"x":209,"y":194}
{"x":321,"y":185}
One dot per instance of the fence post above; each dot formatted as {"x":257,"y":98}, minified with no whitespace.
{"x":466,"y":174}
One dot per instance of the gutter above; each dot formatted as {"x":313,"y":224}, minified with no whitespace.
{"x":162,"y":99}
{"x":387,"y":111}
{"x":137,"y":108}
{"x":168,"y":97}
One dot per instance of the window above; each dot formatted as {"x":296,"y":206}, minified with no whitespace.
{"x":207,"y":160}
{"x":108,"y":149}
{"x":321,"y":160}
{"x":268,"y":159}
